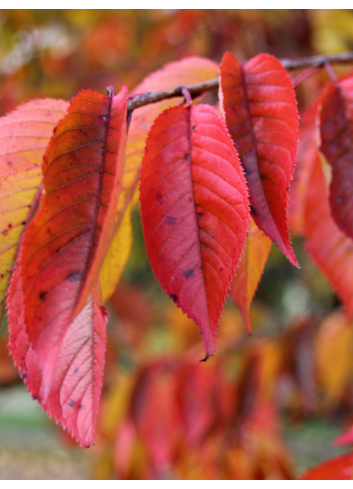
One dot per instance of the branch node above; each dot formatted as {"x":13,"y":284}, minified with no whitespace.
{"x":110,"y":91}
{"x":330,"y":72}
{"x":187,"y":96}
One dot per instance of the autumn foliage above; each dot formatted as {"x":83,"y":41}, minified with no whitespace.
{"x":217,"y":184}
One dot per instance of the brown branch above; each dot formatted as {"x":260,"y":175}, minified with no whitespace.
{"x":200,"y":88}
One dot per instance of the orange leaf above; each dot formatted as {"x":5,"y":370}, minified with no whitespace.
{"x":247,"y":276}
{"x":334,"y":346}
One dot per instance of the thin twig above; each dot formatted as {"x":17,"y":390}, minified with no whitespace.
{"x":200,"y":88}
{"x":303,"y":75}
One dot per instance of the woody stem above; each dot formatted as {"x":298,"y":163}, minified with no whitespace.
{"x":200,"y":88}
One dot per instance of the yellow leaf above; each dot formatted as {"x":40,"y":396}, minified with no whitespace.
{"x":25,"y":134}
{"x":334,"y":356}
{"x":117,"y":256}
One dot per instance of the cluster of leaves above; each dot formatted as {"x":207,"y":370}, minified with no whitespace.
{"x":201,"y":178}
{"x":222,"y":419}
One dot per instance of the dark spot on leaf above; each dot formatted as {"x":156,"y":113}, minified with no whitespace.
{"x":71,"y":404}
{"x":9,"y":163}
{"x":253,"y":211}
{"x":189,"y":273}
{"x":221,"y":269}
{"x":81,"y":406}
{"x":34,"y":398}
{"x":174,"y":297}
{"x":23,"y":223}
{"x":171,"y":220}
{"x":76,"y":371}
{"x":5,"y":232}
{"x":193,"y":127}
{"x":199,"y":215}
{"x":159,"y":196}
{"x":42,"y":295}
{"x":75,"y":276}
{"x":190,"y":199}
{"x":186,"y":156}
{"x":10,"y":225}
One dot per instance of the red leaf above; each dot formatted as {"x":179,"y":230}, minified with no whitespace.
{"x":330,"y":249}
{"x":336,"y":131}
{"x":64,"y":246}
{"x":337,"y":468}
{"x":155,"y":413}
{"x":307,"y":152}
{"x":247,"y":276}
{"x":194,"y":211}
{"x":74,"y":393}
{"x":261,"y":113}
{"x":187,"y":71}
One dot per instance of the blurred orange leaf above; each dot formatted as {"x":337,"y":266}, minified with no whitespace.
{"x":248,"y":274}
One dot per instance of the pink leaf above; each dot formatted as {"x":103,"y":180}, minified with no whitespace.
{"x":72,"y":396}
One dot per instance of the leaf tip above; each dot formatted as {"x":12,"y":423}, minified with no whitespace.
{"x":206,"y":358}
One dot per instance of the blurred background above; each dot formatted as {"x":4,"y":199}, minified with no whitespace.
{"x":269,"y":406}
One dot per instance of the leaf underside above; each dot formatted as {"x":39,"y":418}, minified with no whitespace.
{"x":74,"y":393}
{"x":194,"y":211}
{"x":260,"y":108}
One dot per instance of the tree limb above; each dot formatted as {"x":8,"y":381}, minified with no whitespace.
{"x":200,"y":88}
